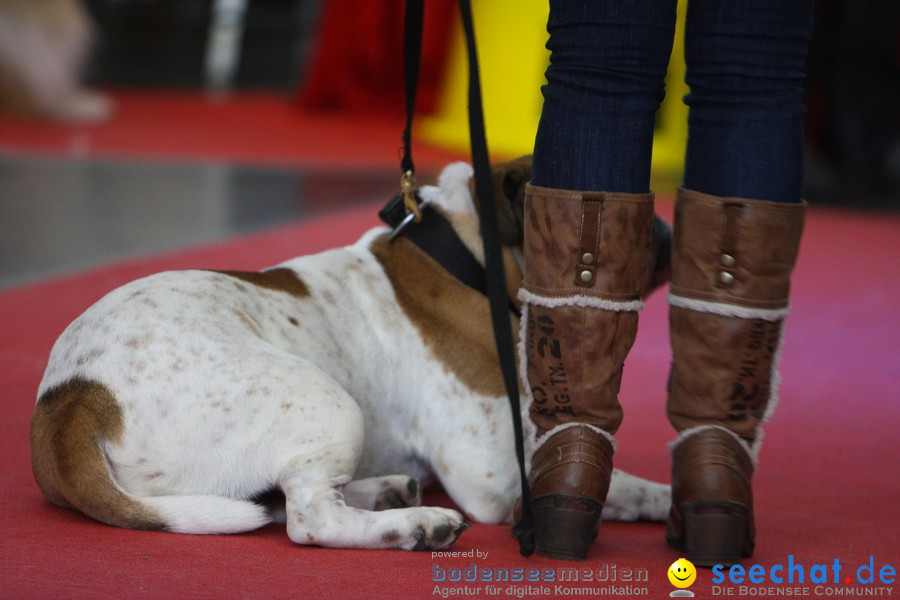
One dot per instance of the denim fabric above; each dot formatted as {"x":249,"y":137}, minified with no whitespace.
{"x":745,"y":66}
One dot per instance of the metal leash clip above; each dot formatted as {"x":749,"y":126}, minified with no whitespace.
{"x":411,"y":203}
{"x":408,"y":187}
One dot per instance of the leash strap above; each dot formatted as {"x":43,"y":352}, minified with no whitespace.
{"x":412,"y":58}
{"x":496,"y":277}
{"x":435,"y":235}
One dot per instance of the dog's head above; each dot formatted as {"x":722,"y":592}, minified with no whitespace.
{"x":509,"y":179}
{"x":454,"y":197}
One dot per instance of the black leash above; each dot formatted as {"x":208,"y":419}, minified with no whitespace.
{"x":404,"y":213}
{"x":412,"y":59}
{"x":493,"y":258}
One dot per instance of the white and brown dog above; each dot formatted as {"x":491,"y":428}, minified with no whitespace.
{"x":341,"y":378}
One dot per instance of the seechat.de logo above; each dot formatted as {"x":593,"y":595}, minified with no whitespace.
{"x":795,"y":578}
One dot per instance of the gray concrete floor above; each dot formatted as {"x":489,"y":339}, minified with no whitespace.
{"x":62,"y":215}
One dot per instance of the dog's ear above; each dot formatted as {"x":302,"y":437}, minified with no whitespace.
{"x":509,"y":180}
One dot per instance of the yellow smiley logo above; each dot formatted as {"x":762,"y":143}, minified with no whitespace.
{"x":682,"y":573}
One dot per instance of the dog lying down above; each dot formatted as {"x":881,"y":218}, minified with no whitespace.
{"x":342,"y":379}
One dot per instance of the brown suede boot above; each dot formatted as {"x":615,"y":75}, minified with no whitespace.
{"x":586,"y":257}
{"x":731,"y":265}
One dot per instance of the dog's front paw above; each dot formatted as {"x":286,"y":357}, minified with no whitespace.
{"x":434,"y":529}
{"x":633,"y":498}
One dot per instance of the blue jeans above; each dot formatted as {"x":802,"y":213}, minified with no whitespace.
{"x":745,"y":68}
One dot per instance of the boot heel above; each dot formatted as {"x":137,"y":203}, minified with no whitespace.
{"x":714,"y":532}
{"x":565,"y":526}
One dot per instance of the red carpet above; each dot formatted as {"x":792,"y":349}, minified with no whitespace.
{"x":248,"y":128}
{"x":826,"y":490}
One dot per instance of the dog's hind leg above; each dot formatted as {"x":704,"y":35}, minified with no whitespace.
{"x":382,"y":493}
{"x":319,"y":442}
{"x":317,"y":514}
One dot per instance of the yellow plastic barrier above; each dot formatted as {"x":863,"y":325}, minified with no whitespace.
{"x":512,"y":57}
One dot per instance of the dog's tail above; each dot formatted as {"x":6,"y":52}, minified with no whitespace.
{"x":71,"y":424}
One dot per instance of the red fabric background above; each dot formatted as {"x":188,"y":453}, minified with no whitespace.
{"x":357,"y":60}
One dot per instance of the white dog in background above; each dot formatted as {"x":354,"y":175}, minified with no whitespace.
{"x":341,"y":378}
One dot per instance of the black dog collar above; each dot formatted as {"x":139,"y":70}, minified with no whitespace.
{"x":434,"y":235}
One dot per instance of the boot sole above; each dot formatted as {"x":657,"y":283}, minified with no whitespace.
{"x":565,"y":526}
{"x":714,"y":533}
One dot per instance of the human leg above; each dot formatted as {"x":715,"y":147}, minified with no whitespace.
{"x":605,"y":83}
{"x":588,"y":220}
{"x":745,"y":68}
{"x":738,"y":222}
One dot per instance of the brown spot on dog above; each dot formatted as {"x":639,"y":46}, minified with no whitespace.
{"x":390,"y":537}
{"x":293,"y":321}
{"x":281,"y":279}
{"x":70,"y":424}
{"x":453,"y":319}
